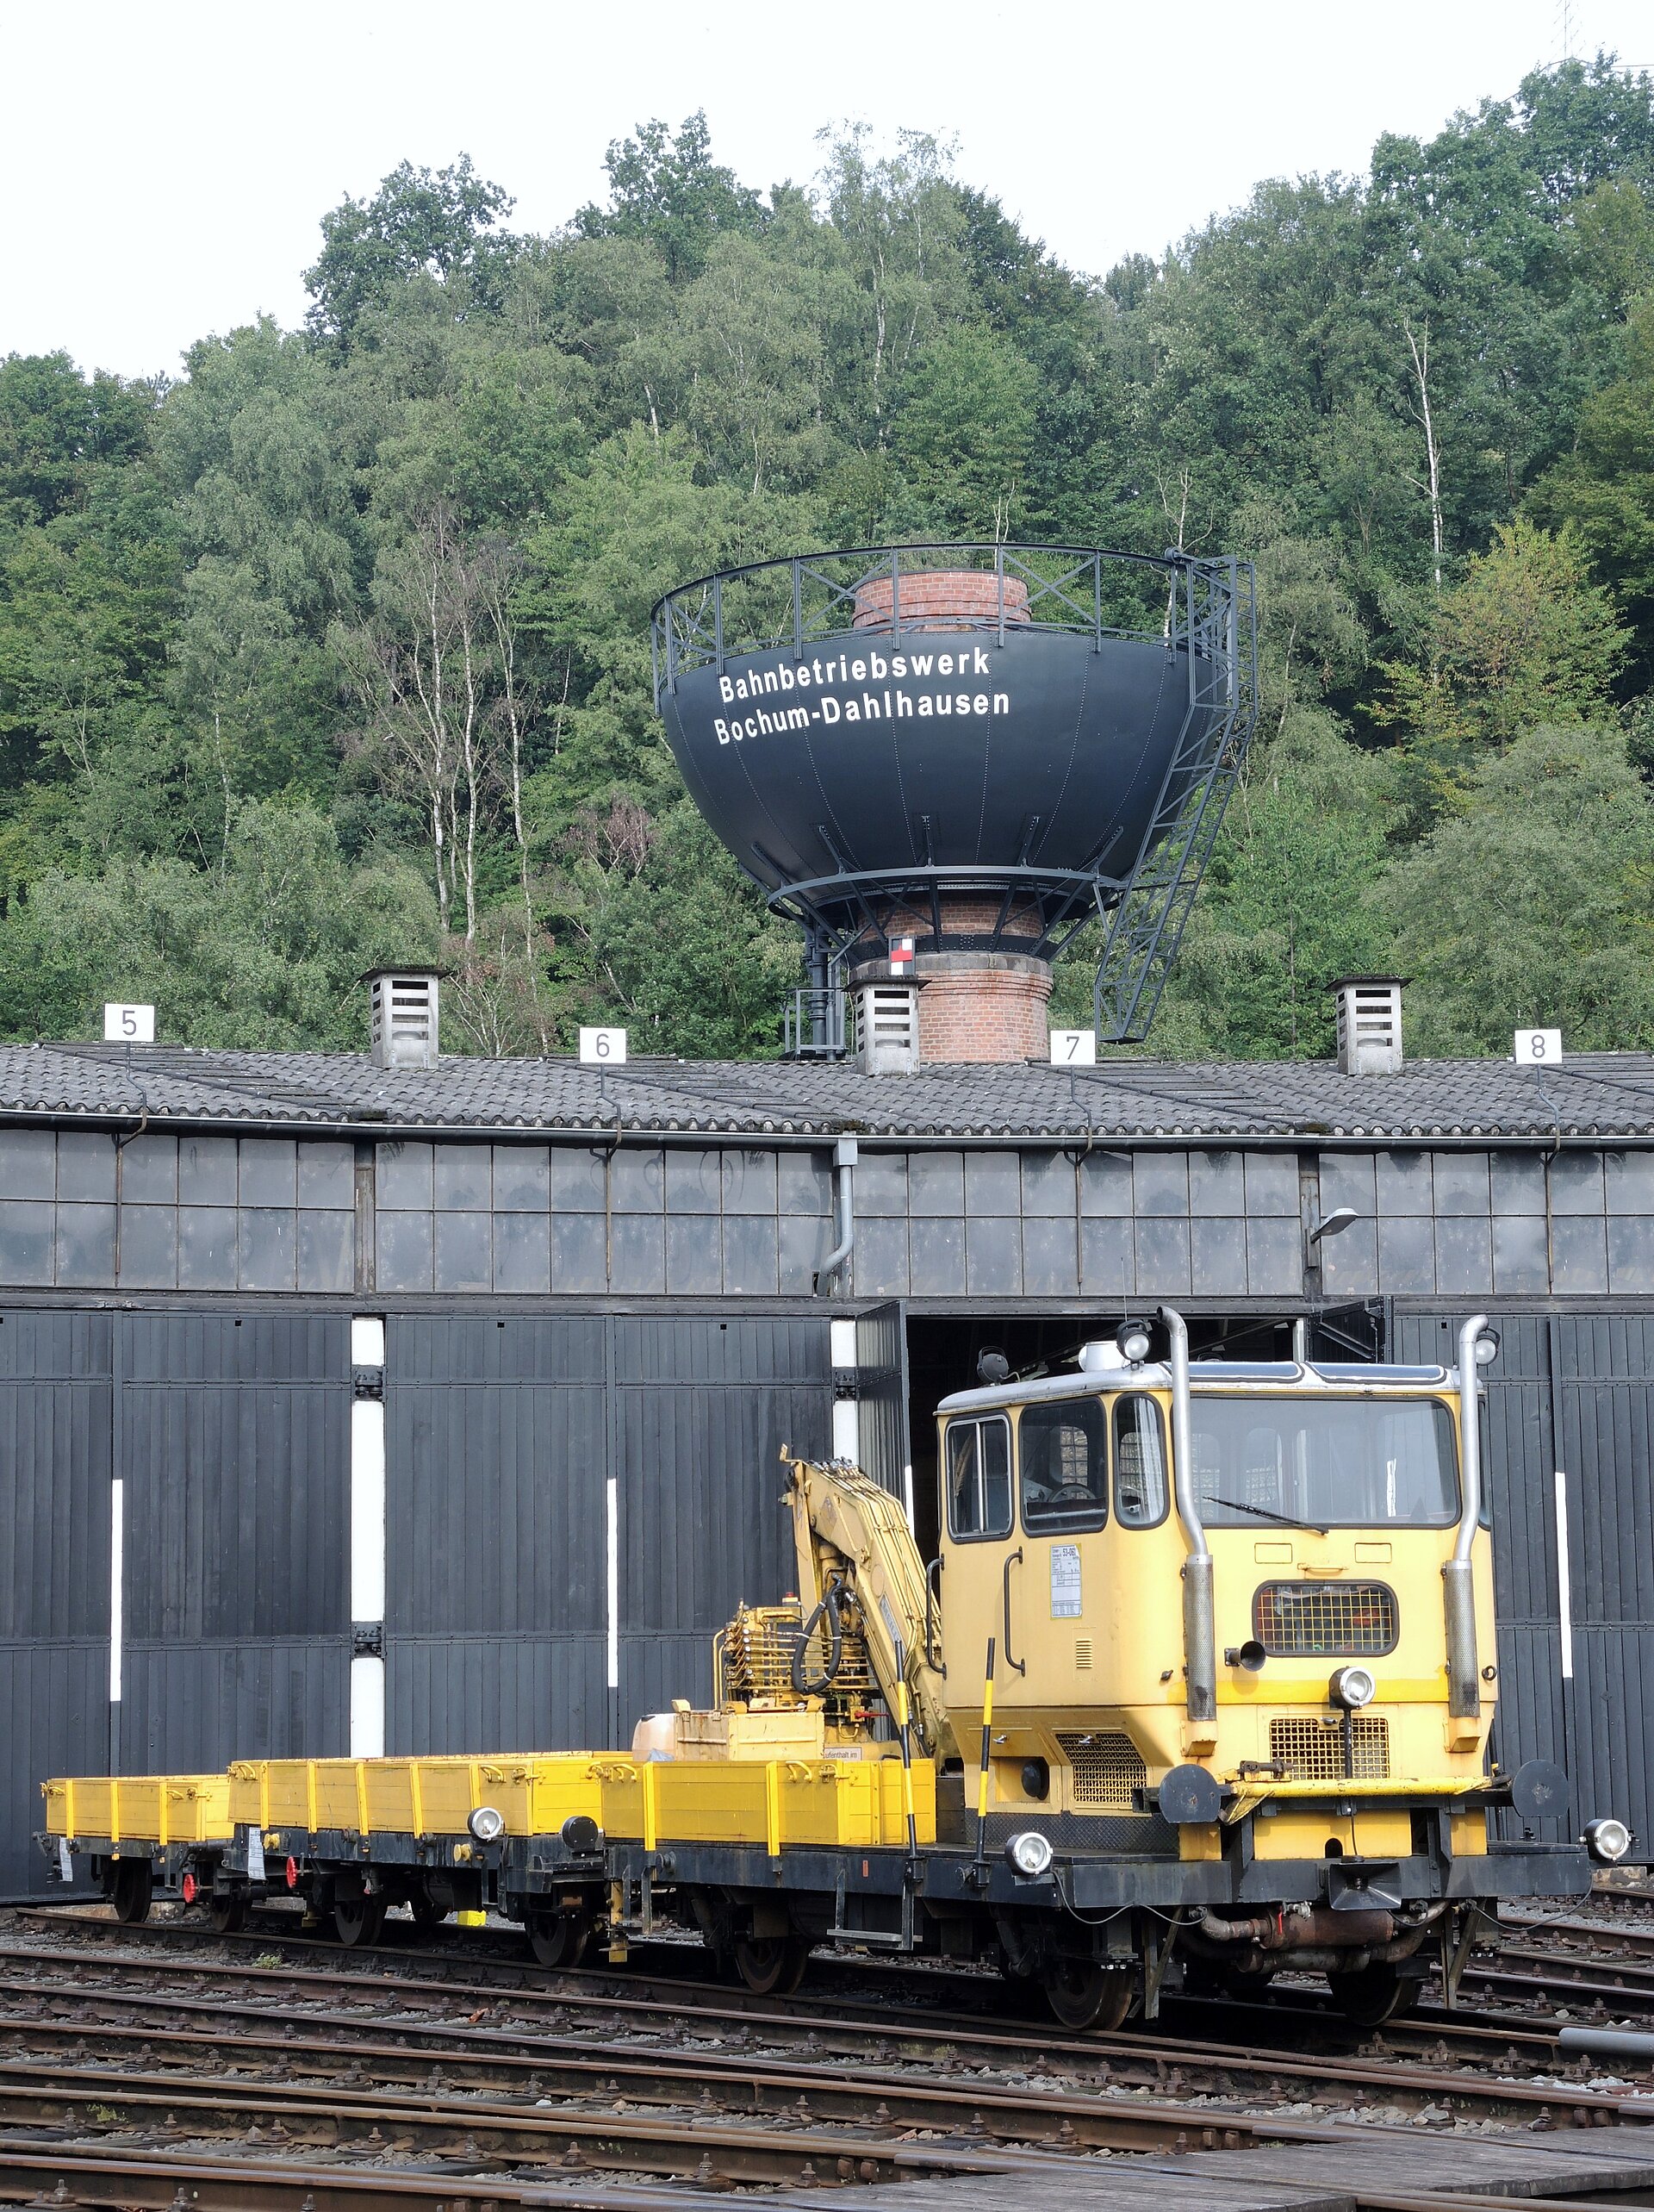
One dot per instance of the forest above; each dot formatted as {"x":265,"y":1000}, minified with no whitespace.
{"x":335,"y":650}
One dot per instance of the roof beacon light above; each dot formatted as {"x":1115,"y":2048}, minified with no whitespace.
{"x":1608,"y":1840}
{"x":1352,"y":1688}
{"x":1030,"y":1854}
{"x":1132,"y":1337}
{"x":486,"y":1823}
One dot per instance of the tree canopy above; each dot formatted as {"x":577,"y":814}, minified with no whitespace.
{"x":337,"y":648}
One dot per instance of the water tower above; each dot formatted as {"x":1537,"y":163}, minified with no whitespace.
{"x":944,"y":761}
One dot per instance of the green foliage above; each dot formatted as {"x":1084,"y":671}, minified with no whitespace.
{"x":670,"y":191}
{"x":1604,"y":489}
{"x":417,"y":224}
{"x":1535,"y":905}
{"x":1421,"y":399}
{"x":262,"y":953}
{"x":1527,"y":638}
{"x":675,"y":944}
{"x":1293,"y":903}
{"x":964,"y":431}
{"x":57,"y":426}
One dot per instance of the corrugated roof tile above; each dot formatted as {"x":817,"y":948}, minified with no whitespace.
{"x":1603,"y":1094}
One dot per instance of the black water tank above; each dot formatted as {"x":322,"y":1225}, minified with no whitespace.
{"x":871,"y":729}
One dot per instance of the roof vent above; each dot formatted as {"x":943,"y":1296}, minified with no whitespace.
{"x":1370,"y":1025}
{"x":404,"y":1017}
{"x":888,"y":1016}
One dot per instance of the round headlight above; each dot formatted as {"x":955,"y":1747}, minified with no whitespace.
{"x":1029,"y":1853}
{"x":486,"y":1823}
{"x":1607,"y":1840}
{"x":1351,"y":1687}
{"x":1487,"y":1348}
{"x":1132,"y":1339}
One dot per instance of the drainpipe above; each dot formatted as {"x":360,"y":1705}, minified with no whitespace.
{"x":1199,"y":1640}
{"x":1458,"y":1589}
{"x":844,"y":1160}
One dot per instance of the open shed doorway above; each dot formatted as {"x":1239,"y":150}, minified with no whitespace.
{"x":942,"y":1351}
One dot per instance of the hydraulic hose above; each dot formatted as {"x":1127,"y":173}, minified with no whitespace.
{"x":805,"y":1684}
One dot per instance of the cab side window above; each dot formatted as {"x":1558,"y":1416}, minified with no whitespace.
{"x":1063,"y":1452}
{"x":1140,"y":1486}
{"x":978,"y":1477}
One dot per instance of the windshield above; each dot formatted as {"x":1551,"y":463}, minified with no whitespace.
{"x":1321,"y":1463}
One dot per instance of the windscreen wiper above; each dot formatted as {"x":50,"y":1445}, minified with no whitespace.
{"x":1286,"y":1520}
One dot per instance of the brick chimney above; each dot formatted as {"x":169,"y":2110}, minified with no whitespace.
{"x":977,"y":997}
{"x":973,"y":990}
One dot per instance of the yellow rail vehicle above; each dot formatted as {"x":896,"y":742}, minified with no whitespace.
{"x":1200,"y":1686}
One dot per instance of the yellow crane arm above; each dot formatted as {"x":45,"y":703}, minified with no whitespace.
{"x":848,"y":1531}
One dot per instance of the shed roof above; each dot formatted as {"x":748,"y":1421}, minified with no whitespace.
{"x":1588,"y":1095}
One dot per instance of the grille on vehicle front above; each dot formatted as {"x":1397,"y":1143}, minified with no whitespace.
{"x":1312,"y":1750}
{"x":1324,"y":1620}
{"x":1107,"y":1769}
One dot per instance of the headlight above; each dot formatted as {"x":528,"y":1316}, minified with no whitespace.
{"x":1132,"y":1339}
{"x":1607,"y":1840}
{"x":1351,"y":1687}
{"x":582,"y":1836}
{"x":486,"y":1823}
{"x":1029,"y":1853}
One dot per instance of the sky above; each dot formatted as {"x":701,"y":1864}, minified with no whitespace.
{"x":167,"y":169}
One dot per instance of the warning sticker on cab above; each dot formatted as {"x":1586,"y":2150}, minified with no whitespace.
{"x":1065,"y":1582}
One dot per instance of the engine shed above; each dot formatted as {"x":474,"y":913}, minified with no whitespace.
{"x":350,"y":1407}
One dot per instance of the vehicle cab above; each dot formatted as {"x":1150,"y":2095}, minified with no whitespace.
{"x":1275,"y":1572}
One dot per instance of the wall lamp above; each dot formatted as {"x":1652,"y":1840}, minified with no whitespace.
{"x":1332,"y":1224}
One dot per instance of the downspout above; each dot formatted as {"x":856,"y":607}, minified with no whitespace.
{"x":1458,"y":1589}
{"x":844,"y":1160}
{"x":1199,"y":1639}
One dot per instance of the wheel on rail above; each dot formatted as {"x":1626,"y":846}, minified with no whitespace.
{"x":1082,"y":1995}
{"x":1373,"y":1994}
{"x":558,"y":1940}
{"x":426,"y":1913}
{"x":771,"y":1965}
{"x":229,"y":1914}
{"x":358,"y":1920}
{"x":132,"y":1886}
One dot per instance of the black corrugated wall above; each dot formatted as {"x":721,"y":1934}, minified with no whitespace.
{"x":1568,"y":1408}
{"x":503,"y":1439}
{"x":233,"y":1440}
{"x":55,"y":1386}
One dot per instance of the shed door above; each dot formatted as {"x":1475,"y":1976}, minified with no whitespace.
{"x":881,"y":1377}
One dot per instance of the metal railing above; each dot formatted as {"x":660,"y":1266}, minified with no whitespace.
{"x":771,"y":606}
{"x":814,"y":1025}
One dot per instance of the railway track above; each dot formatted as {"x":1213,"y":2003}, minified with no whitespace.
{"x":165,"y":2066}
{"x":762,"y":2056}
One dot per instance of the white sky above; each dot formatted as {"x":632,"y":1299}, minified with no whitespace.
{"x":166,"y":168}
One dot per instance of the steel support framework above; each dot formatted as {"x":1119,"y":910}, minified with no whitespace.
{"x":1216,"y":612}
